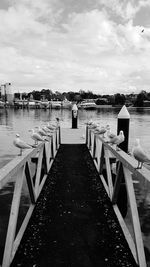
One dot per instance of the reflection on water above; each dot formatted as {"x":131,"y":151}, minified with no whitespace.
{"x":20,"y":121}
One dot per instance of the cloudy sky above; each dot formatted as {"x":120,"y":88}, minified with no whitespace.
{"x":69,"y":45}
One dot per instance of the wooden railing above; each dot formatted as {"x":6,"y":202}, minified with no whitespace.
{"x":41,"y":157}
{"x":106,"y":157}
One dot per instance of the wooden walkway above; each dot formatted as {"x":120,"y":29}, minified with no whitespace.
{"x":73,"y":223}
{"x":73,"y":136}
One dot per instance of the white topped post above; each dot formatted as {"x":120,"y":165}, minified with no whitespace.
{"x":123,"y":125}
{"x":74,"y":116}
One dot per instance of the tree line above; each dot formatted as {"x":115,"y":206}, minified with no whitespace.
{"x":136,"y":100}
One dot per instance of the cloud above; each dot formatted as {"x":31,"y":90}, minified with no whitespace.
{"x":49,"y":44}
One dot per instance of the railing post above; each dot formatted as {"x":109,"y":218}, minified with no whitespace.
{"x":59,"y":135}
{"x":90,"y":141}
{"x":86,"y":140}
{"x":94,"y":147}
{"x":13,"y":218}
{"x":52,"y":148}
{"x":56,"y":141}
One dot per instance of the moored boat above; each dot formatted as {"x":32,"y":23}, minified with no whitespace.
{"x":87,"y":104}
{"x":66,"y":104}
{"x":55,"y":104}
{"x":2,"y":104}
{"x":44,"y":104}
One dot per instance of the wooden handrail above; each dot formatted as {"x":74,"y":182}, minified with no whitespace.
{"x":104,"y":153}
{"x":20,"y":168}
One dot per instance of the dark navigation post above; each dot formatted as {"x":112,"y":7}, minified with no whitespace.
{"x":123,"y":125}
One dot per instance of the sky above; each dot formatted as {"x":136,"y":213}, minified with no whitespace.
{"x":101,"y":46}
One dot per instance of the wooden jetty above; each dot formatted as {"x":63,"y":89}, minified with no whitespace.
{"x":73,"y":218}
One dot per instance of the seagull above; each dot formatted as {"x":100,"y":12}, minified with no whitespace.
{"x":90,"y":122}
{"x":117,"y":139}
{"x":93,"y":125}
{"x":110,"y":135}
{"x":47,"y":131}
{"x":36,"y":136}
{"x":100,"y":131}
{"x":51,"y":127}
{"x":139,"y":154}
{"x":20,"y":144}
{"x":41,"y":131}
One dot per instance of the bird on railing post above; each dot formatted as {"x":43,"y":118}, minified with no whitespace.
{"x":140,"y":155}
{"x":117,"y":140}
{"x":36,"y":137}
{"x":21,"y":144}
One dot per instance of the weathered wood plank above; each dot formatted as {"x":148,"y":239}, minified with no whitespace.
{"x":126,"y":232}
{"x":30,"y":183}
{"x":38,"y":173}
{"x":118,"y":180}
{"x":108,"y":171}
{"x":21,"y":231}
{"x":73,"y":136}
{"x":135,"y":218}
{"x":13,"y":166}
{"x":13,"y":218}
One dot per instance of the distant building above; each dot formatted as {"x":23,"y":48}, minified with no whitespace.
{"x":9,"y":93}
{"x":6,"y":92}
{"x":2,"y":89}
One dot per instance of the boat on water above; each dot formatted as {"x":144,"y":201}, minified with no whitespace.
{"x":45,"y":104}
{"x":87,"y":104}
{"x":55,"y":104}
{"x":66,"y":104}
{"x":31,"y":104}
{"x":2,"y":104}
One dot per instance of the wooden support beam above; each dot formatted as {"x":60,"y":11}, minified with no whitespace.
{"x":30,"y":183}
{"x":135,"y":219}
{"x":13,"y":218}
{"x":118,"y":180}
{"x":108,"y":171}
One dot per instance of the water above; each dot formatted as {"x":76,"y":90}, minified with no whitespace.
{"x":20,"y":121}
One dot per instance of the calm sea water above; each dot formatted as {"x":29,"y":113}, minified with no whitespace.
{"x":20,"y":121}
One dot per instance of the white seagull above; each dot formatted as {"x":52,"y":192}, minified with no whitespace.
{"x":117,"y":139}
{"x":93,"y":125}
{"x":36,"y":136}
{"x":41,"y":131}
{"x":47,"y":131}
{"x":100,"y":131}
{"x":139,"y":154}
{"x":20,"y":144}
{"x":51,"y":127}
{"x":110,"y":135}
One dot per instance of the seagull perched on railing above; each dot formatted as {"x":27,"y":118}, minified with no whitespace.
{"x":47,"y":131}
{"x":93,"y":125}
{"x":117,"y":139}
{"x":140,"y":155}
{"x":100,"y":131}
{"x":41,"y":131}
{"x":36,"y":136}
{"x":21,"y":144}
{"x":51,"y":127}
{"x":110,"y":135}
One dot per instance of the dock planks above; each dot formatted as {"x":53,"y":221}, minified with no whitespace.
{"x":73,"y":223}
{"x":73,"y":136}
